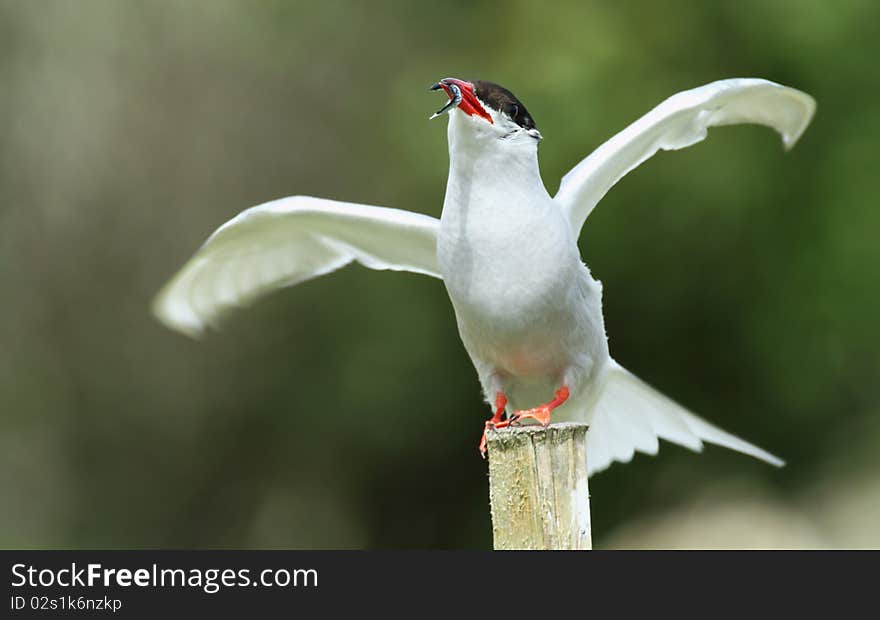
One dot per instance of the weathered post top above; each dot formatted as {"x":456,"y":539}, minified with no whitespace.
{"x":538,"y":487}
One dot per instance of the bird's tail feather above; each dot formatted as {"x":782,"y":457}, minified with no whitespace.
{"x":629,"y":415}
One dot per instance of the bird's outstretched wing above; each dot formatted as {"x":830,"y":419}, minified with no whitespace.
{"x":288,"y":241}
{"x":678,"y":122}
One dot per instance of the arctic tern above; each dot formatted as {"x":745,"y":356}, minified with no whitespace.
{"x":529,"y":312}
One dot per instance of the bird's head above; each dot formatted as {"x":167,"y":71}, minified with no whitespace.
{"x":486,"y":111}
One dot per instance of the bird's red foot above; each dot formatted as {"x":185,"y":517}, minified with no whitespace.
{"x":542,"y":413}
{"x":495,"y":422}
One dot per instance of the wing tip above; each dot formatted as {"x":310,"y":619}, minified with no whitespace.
{"x":808,"y":103}
{"x":172,"y":316}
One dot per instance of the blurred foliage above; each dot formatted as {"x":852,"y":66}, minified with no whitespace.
{"x":739,"y":279}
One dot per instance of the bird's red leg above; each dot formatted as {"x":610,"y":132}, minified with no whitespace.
{"x":496,"y":421}
{"x":542,"y":413}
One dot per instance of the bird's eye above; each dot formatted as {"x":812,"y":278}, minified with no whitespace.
{"x":512,"y":110}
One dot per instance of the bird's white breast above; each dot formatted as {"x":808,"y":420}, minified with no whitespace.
{"x":522,"y":297}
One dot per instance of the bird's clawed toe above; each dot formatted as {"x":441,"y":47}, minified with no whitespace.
{"x":490,"y":425}
{"x":495,"y":422}
{"x":541,"y":414}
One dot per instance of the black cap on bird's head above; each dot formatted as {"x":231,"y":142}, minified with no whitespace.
{"x":481,"y":98}
{"x":502,"y":100}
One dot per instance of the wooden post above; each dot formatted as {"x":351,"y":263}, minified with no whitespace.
{"x":538,"y":487}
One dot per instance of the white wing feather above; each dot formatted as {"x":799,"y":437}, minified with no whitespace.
{"x":678,"y":122}
{"x":630,"y":416}
{"x":288,"y":241}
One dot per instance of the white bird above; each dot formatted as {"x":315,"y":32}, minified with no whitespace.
{"x":528,"y":310}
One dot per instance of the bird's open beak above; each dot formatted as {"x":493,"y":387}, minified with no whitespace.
{"x":461,"y":95}
{"x":451,"y":89}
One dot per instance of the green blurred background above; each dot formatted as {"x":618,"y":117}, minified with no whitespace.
{"x":741,"y":280}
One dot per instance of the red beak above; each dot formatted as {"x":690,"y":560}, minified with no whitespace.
{"x":464,"y":91}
